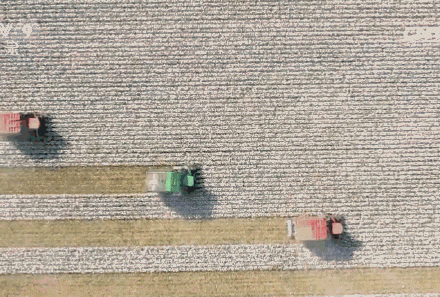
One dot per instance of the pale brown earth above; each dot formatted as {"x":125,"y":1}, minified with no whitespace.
{"x":242,"y":283}
{"x":141,"y":232}
{"x":74,"y":180}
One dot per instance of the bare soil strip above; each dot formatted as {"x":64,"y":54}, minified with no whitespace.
{"x":74,"y":180}
{"x":242,"y":283}
{"x":141,"y":232}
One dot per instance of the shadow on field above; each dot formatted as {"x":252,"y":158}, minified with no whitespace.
{"x":195,"y":203}
{"x":45,"y":143}
{"x":335,"y":249}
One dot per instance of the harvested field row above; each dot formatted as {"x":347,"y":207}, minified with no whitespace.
{"x":240,"y":283}
{"x":77,"y":233}
{"x":74,"y":180}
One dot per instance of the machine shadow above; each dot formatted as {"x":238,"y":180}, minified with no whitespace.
{"x":335,"y":249}
{"x":45,"y":143}
{"x":195,"y":202}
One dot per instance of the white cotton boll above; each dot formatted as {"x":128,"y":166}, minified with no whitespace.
{"x":27,"y":29}
{"x":421,"y":34}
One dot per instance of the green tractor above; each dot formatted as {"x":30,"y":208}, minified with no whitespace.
{"x":176,"y":180}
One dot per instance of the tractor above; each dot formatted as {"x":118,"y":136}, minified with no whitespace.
{"x":15,"y":124}
{"x":315,"y":228}
{"x":179,"y":179}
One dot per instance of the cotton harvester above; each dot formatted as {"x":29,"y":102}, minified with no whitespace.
{"x":13,"y":124}
{"x":314,"y":228}
{"x":176,"y":180}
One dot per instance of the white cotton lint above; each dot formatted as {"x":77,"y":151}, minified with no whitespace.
{"x":422,"y":34}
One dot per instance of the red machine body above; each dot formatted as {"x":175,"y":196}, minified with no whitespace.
{"x":11,"y":123}
{"x":312,"y":228}
{"x":317,"y":227}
